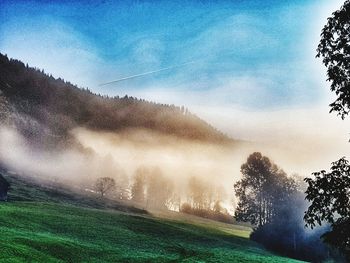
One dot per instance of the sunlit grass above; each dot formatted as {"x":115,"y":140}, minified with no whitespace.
{"x":51,"y":232}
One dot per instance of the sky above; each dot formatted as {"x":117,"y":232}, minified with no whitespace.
{"x":248,"y":67}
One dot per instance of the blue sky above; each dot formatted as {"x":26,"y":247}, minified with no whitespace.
{"x":254,"y":55}
{"x":253,"y":72}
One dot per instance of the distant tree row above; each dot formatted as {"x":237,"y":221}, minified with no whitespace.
{"x":150,"y":189}
{"x":153,"y":190}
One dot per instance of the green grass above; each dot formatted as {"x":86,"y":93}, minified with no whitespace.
{"x":37,"y":231}
{"x":50,"y":232}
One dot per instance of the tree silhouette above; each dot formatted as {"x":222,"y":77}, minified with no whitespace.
{"x":271,"y":201}
{"x":334,"y":48}
{"x":261,"y":190}
{"x":329,"y":193}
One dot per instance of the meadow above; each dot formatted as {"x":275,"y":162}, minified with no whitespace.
{"x":34,"y":230}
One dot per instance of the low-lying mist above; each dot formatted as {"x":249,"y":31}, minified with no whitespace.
{"x":156,"y":171}
{"x":65,"y":166}
{"x":120,"y":155}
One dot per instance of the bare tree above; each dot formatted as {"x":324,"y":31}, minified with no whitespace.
{"x":105,"y":185}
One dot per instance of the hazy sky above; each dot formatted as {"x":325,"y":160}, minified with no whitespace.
{"x":253,"y":71}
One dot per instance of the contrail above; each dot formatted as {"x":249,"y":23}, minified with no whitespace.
{"x":145,"y":73}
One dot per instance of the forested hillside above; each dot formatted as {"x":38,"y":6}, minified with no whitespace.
{"x":46,"y":109}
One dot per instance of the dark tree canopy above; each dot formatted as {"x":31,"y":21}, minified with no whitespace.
{"x":334,"y":48}
{"x":262,"y":189}
{"x":329,"y":194}
{"x":271,"y":201}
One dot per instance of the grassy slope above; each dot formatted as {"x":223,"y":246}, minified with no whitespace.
{"x":36,"y":231}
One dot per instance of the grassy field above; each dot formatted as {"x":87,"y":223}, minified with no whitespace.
{"x":37,"y":231}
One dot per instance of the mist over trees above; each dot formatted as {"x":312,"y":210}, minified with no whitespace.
{"x":272,"y":202}
{"x":148,"y":188}
{"x":105,"y":185}
{"x":151,"y":189}
{"x":138,"y":188}
{"x":45,"y":110}
{"x":205,"y":200}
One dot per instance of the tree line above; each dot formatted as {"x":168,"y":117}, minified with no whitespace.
{"x":150,"y":189}
{"x":60,"y":106}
